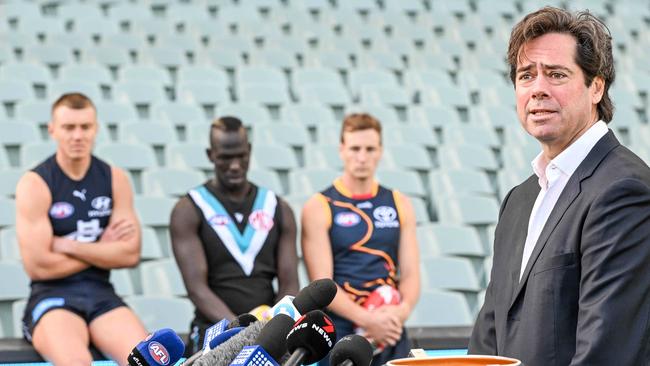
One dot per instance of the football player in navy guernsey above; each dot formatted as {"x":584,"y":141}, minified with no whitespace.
{"x":75,"y":222}
{"x":362,"y":235}
{"x":231,"y":238}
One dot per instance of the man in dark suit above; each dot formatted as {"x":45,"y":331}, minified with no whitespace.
{"x":570,"y":283}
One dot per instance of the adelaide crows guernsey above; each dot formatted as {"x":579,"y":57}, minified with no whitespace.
{"x":240,"y":241}
{"x":80,"y":209}
{"x":364,"y":234}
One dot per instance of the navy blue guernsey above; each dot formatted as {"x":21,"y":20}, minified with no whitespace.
{"x":80,"y":209}
{"x":365,"y":235}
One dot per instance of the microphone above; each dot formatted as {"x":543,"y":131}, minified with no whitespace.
{"x":351,"y":350}
{"x":271,"y":344}
{"x":219,"y":333}
{"x":316,"y":295}
{"x":310,"y":339}
{"x":162,"y":347}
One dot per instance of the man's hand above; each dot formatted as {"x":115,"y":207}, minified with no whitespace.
{"x":383,"y":326}
{"x":119,"y":230}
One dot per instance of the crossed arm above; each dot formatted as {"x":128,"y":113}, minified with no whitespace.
{"x":47,"y":257}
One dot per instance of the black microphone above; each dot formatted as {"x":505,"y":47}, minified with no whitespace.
{"x":242,"y":320}
{"x":351,"y":350}
{"x":317,"y":295}
{"x":162,"y":347}
{"x":310,"y":339}
{"x":225,"y":353}
{"x":270,"y":345}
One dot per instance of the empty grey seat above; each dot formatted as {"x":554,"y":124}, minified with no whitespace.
{"x":275,"y":157}
{"x":37,"y":75}
{"x":129,"y":156}
{"x":151,"y":248}
{"x":188,"y":155}
{"x":88,"y":88}
{"x":121,"y":280}
{"x":409,"y":157}
{"x":15,"y":133}
{"x":364,"y":77}
{"x":437,"y":308}
{"x":51,"y":55}
{"x":170,"y":56}
{"x":260,"y":75}
{"x":16,"y":283}
{"x":35,"y":111}
{"x":33,"y":153}
{"x":308,"y":114}
{"x":154,"y":211}
{"x":266,"y":178}
{"x":325,"y":155}
{"x":467,"y":157}
{"x":405,"y":181}
{"x":111,"y":56}
{"x":249,"y":113}
{"x":311,"y":180}
{"x":203,"y":93}
{"x":467,"y":209}
{"x":9,"y":180}
{"x":115,"y":112}
{"x":286,"y":134}
{"x":148,"y":73}
{"x":268,"y":95}
{"x":434,"y":116}
{"x":89,"y":72}
{"x":151,"y":133}
{"x":174,"y":182}
{"x":385,"y":95}
{"x":329,"y":95}
{"x":9,"y":249}
{"x":479,"y":135}
{"x":455,"y":182}
{"x":174,"y":313}
{"x":162,"y":277}
{"x":449,"y":273}
{"x":203,"y":73}
{"x":316,"y":76}
{"x":180,"y":114}
{"x":451,"y":240}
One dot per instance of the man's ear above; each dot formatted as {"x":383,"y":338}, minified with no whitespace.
{"x":208,"y":153}
{"x":597,"y":89}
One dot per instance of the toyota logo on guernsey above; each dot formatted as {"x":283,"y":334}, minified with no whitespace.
{"x":347,"y":219}
{"x":61,"y":210}
{"x":159,"y":353}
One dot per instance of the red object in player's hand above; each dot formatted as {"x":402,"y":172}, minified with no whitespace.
{"x":382,"y":295}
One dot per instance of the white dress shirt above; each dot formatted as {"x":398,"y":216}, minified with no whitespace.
{"x":553,"y":177}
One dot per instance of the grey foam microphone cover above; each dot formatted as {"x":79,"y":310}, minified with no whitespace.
{"x":227,"y":351}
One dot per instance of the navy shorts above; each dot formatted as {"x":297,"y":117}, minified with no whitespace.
{"x":88,"y":299}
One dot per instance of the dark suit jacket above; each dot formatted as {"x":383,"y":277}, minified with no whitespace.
{"x":584,"y":298}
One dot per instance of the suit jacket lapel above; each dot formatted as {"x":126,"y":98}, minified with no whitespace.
{"x":568,"y":195}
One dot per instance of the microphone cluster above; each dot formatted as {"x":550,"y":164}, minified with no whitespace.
{"x":298,"y":333}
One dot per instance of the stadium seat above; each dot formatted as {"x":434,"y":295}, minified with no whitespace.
{"x":449,"y":273}
{"x":422,"y":215}
{"x":331,"y":59}
{"x":325,"y":155}
{"x":173,"y":182}
{"x":121,"y":280}
{"x":15,"y":133}
{"x":17,"y":311}
{"x":130,"y":42}
{"x":161,"y":277}
{"x":467,"y":209}
{"x":50,"y":55}
{"x":260,"y":75}
{"x":72,"y":12}
{"x":274,"y":57}
{"x":275,"y":157}
{"x":141,"y":94}
{"x":268,"y":179}
{"x":180,"y":114}
{"x":409,"y":157}
{"x":188,"y":155}
{"x":249,"y":113}
{"x":452,"y":240}
{"x":286,"y":134}
{"x":311,"y":180}
{"x":170,"y":56}
{"x":9,"y":180}
{"x":437,"y":308}
{"x":434,"y":116}
{"x":268,"y":95}
{"x":477,"y":135}
{"x":88,"y":88}
{"x":30,"y":73}
{"x":89,"y":72}
{"x":418,"y":135}
{"x":33,"y":153}
{"x":129,"y":156}
{"x":16,"y":283}
{"x":147,"y":73}
{"x":467,"y":156}
{"x":40,"y":27}
{"x":114,"y":57}
{"x":309,"y":114}
{"x":373,"y":78}
{"x":208,"y":95}
{"x":115,"y":113}
{"x":203,"y":73}
{"x":174,"y":313}
{"x":151,"y":248}
{"x":454,"y":182}
{"x":155,"y":134}
{"x":154,"y":211}
{"x":222,"y":57}
{"x":406,"y":181}
{"x":9,"y":250}
{"x":37,"y":112}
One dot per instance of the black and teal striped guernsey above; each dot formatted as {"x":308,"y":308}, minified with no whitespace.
{"x":365,"y":236}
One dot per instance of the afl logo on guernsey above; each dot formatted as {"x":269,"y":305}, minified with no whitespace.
{"x":61,"y":210}
{"x":159,"y":353}
{"x":260,"y":220}
{"x":385,"y":217}
{"x":219,"y":220}
{"x":346,"y":219}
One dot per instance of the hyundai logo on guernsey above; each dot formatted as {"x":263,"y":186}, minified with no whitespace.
{"x":61,"y":210}
{"x":385,"y":217}
{"x":159,"y":353}
{"x":219,"y":220}
{"x":347,"y":219}
{"x":102,"y":207}
{"x":260,"y":220}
